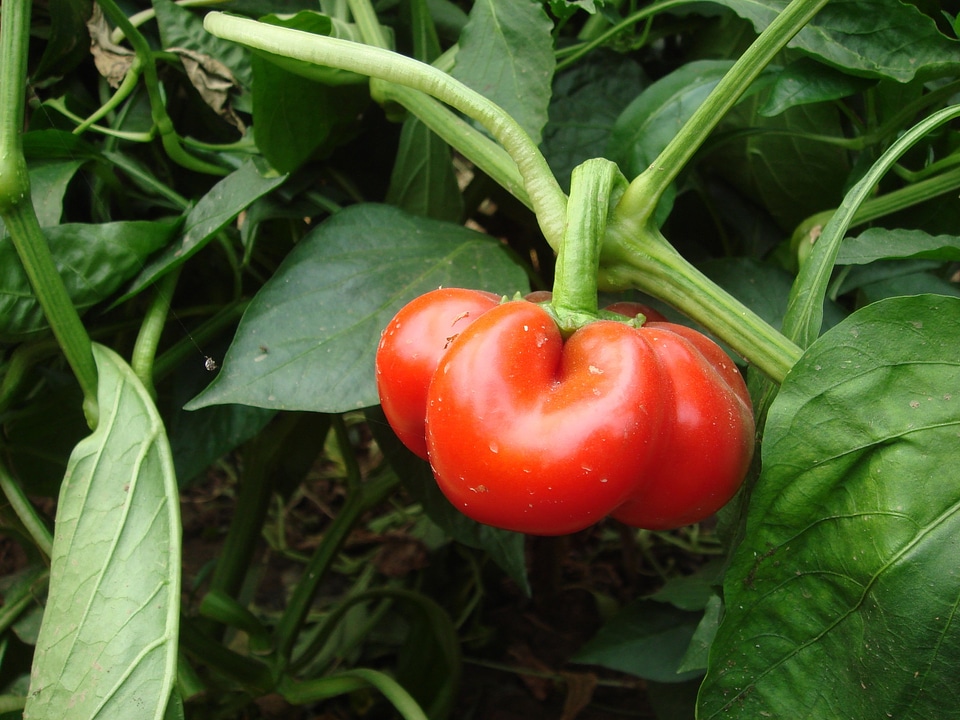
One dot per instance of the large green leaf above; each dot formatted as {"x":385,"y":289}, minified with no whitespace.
{"x":586,"y":101}
{"x":871,"y":38}
{"x":308,"y":338}
{"x":647,"y":639}
{"x":651,"y":120}
{"x":506,"y":55}
{"x":108,"y":642}
{"x":93,"y":260}
{"x":842,"y":598}
{"x":423,"y":181}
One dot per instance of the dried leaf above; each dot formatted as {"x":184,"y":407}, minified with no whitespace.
{"x":580,"y":688}
{"x":112,"y":61}
{"x":213,"y":80}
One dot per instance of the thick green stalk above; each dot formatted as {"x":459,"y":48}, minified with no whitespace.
{"x":546,"y":197}
{"x":646,"y":261}
{"x":592,"y":190}
{"x":16,"y":207}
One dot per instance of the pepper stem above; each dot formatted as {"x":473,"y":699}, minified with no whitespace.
{"x":595,"y":187}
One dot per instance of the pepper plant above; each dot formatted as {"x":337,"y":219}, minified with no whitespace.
{"x":211,"y":216}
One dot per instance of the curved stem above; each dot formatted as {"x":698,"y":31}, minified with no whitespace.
{"x":644,"y":192}
{"x":145,"y":348}
{"x":546,"y":197}
{"x":592,"y":189}
{"x":26,"y":513}
{"x":158,"y":111}
{"x":645,"y":260}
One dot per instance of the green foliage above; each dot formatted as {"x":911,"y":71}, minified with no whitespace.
{"x":850,"y":529}
{"x":195,"y":268}
{"x":109,"y":639}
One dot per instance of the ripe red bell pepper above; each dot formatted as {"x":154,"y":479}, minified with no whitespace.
{"x":530,"y":432}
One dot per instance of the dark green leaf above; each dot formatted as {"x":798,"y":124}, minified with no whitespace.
{"x":883,"y":244}
{"x":871,"y":38}
{"x":651,"y":120}
{"x":807,"y":81}
{"x":69,"y":43}
{"x":423,"y":181}
{"x":48,"y":183}
{"x":108,"y":642}
{"x":296,"y":119}
{"x":851,"y":541}
{"x":646,"y":638}
{"x":93,"y":260}
{"x":908,"y":284}
{"x":780,"y":166}
{"x":307,"y":341}
{"x":225,"y":200}
{"x":587,"y":99}
{"x":506,"y":55}
{"x":181,"y":28}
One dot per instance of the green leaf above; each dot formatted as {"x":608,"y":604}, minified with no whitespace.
{"x":646,"y":638}
{"x":69,"y":43}
{"x":180,"y":28}
{"x":841,"y":599}
{"x":308,"y":338}
{"x":870,"y":38}
{"x":108,"y":642}
{"x":48,"y":184}
{"x":93,"y":260}
{"x":587,"y":99}
{"x":651,"y":120}
{"x":806,"y":81}
{"x":506,"y":55}
{"x":423,"y":181}
{"x":779,"y":165}
{"x":884,"y":244}
{"x":222,"y":203}
{"x":296,"y":119}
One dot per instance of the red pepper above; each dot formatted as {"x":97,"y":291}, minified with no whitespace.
{"x":530,"y":432}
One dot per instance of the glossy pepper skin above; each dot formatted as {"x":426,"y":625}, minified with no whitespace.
{"x":410,"y":350}
{"x":528,"y":432}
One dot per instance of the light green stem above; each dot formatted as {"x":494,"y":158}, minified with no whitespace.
{"x":546,"y":197}
{"x":27,"y":514}
{"x":644,"y":192}
{"x":17,"y":212}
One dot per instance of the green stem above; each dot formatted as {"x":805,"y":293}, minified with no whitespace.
{"x":17,"y":212}
{"x":158,"y":111}
{"x":593,"y":186}
{"x":483,"y":152}
{"x":129,"y":84}
{"x":138,"y":19}
{"x":644,"y":192}
{"x":366,"y":19}
{"x":148,"y":339}
{"x":546,"y":197}
{"x":571,"y":54}
{"x":348,"y":681}
{"x":359,"y":500}
{"x":645,"y":260}
{"x":26,"y":512}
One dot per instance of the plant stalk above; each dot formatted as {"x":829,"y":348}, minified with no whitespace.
{"x":17,"y":212}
